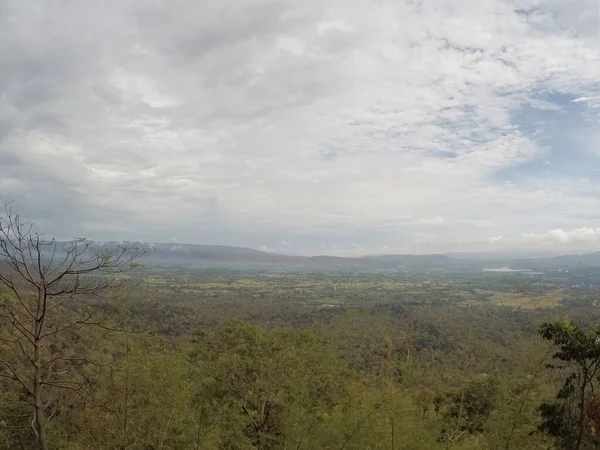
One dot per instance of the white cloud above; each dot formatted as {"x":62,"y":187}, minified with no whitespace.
{"x":559,"y":236}
{"x":292,"y":121}
{"x":436,"y":220}
{"x":582,"y":99}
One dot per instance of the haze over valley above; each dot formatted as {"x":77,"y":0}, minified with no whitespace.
{"x":300,"y":225}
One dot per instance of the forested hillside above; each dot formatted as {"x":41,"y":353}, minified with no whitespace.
{"x":100,"y":352}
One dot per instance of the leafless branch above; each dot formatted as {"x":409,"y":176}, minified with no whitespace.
{"x":42,"y":277}
{"x":15,"y":376}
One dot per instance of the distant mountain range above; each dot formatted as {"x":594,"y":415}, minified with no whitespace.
{"x":186,"y":254}
{"x":192,"y":255}
{"x":165,"y":254}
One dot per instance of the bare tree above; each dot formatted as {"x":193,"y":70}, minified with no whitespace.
{"x":49,"y":290}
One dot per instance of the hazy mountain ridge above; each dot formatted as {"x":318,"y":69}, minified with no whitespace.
{"x":176,"y":254}
{"x":221,"y":254}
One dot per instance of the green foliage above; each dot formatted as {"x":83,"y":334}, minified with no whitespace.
{"x":16,"y":432}
{"x":315,"y":361}
{"x":276,"y":383}
{"x":467,"y":410}
{"x":574,"y":344}
{"x":15,"y":428}
{"x":578,"y":351}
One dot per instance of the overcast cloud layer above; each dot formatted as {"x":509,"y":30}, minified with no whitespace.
{"x":305,"y":126}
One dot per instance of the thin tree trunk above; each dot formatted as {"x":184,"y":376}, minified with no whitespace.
{"x":126,"y":397}
{"x":460,"y":410}
{"x":581,"y":411}
{"x":199,"y":432}
{"x":38,"y":405}
{"x":529,"y":389}
{"x":393,"y":434}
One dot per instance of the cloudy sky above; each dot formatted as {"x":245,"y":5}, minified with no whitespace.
{"x":305,"y":126}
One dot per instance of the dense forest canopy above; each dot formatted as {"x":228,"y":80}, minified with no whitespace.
{"x":115,"y":355}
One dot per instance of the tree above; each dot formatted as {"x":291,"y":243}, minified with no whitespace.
{"x":266,"y":389}
{"x":424,"y":399}
{"x":579,"y":352}
{"x":40,"y":314}
{"x":470,"y":408}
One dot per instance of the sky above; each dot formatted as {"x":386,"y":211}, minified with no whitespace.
{"x":341,"y":127}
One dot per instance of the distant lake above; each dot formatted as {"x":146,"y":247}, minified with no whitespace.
{"x":510,"y":270}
